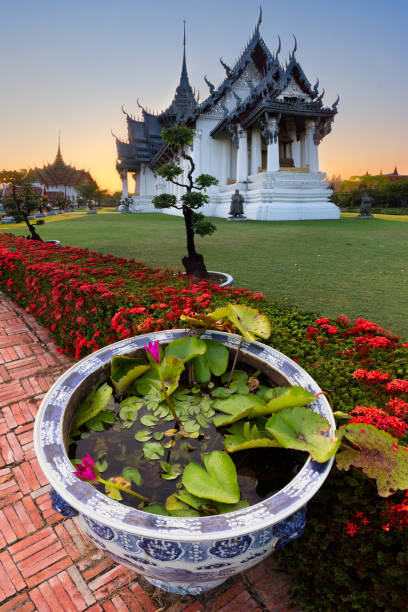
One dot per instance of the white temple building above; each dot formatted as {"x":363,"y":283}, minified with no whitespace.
{"x":259,"y":131}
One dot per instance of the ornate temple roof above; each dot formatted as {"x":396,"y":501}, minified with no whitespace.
{"x":144,"y":140}
{"x":60,"y":173}
{"x":257,"y":85}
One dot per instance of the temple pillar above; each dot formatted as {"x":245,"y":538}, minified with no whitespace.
{"x":197,"y":151}
{"x":272,"y":150}
{"x":311,"y":148}
{"x":256,"y":151}
{"x":136,"y":178}
{"x":125,"y":191}
{"x":295,"y":145}
{"x":242,"y":156}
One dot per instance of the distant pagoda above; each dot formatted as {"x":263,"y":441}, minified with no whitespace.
{"x":258,"y":132}
{"x":60,"y":178}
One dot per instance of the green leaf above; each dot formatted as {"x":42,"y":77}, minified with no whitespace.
{"x":244,"y":437}
{"x":158,"y":435}
{"x":148,"y":420}
{"x":153,"y":450}
{"x":192,"y":500}
{"x":171,"y":368}
{"x":130,"y":407}
{"x":170,"y":471}
{"x":96,"y":401}
{"x":237,"y":376}
{"x":302,"y":429}
{"x":102,"y":465}
{"x":96,"y":423}
{"x":217,"y":481}
{"x":279,"y":398}
{"x":236,"y":407}
{"x":133,"y":475}
{"x":217,"y":355}
{"x":190,"y":426}
{"x":224,"y":508}
{"x":249,"y":321}
{"x":124,"y":370}
{"x":156,"y":509}
{"x":143,"y":435}
{"x":378,"y":454}
{"x":202,"y":371}
{"x":112,"y":492}
{"x":186,"y":348}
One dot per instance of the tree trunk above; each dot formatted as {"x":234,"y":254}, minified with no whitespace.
{"x":194,"y":263}
{"x":34,"y":235}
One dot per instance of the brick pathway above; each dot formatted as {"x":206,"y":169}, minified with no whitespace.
{"x":45,"y":562}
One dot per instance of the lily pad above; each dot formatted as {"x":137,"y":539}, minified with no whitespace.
{"x":236,"y":407}
{"x":217,"y":480}
{"x":302,"y":429}
{"x":96,"y":401}
{"x":153,"y":450}
{"x":130,"y":407}
{"x":243,"y":437}
{"x":132,"y":474}
{"x":176,"y":507}
{"x":124,"y":370}
{"x":186,"y":348}
{"x":156,"y":509}
{"x":249,"y":321}
{"x":213,"y":361}
{"x":224,"y":508}
{"x":143,"y":435}
{"x":378,"y":454}
{"x":279,"y":398}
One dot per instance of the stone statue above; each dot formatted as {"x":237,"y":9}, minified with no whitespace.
{"x":365,"y":207}
{"x":237,"y":208}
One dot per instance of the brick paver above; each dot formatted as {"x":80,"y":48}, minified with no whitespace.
{"x":46,"y":563}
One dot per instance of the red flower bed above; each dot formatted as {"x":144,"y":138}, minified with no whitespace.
{"x":87,"y":299}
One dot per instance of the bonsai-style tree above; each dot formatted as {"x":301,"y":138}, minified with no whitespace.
{"x":24,"y":200}
{"x":179,"y":138}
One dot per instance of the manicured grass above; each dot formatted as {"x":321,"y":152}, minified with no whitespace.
{"x":351,"y":266}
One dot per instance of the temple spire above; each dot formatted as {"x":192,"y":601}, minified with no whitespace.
{"x":59,"y":155}
{"x":184,"y":76}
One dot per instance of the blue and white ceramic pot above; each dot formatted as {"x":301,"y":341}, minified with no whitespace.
{"x":182,"y":555}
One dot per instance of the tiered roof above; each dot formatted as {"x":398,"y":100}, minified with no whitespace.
{"x":266,"y":85}
{"x":60,"y":173}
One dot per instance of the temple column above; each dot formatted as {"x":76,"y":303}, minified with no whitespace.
{"x":272,"y":151}
{"x":197,"y":151}
{"x":242,"y":156}
{"x":256,"y":151}
{"x":136,"y":178}
{"x":311,"y":148}
{"x":125,"y":191}
{"x":295,"y":145}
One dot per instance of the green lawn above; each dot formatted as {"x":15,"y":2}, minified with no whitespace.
{"x":351,"y":266}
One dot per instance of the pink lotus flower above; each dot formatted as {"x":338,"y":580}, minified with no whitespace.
{"x":88,"y":469}
{"x":153,"y":349}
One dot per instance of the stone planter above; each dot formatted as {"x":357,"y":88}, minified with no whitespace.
{"x":56,"y":242}
{"x":226,"y":279}
{"x":182,"y":555}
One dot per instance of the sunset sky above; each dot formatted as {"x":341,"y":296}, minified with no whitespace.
{"x":71,"y":66}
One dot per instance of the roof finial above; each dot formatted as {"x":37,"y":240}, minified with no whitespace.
{"x":278,"y":50}
{"x":59,"y":140}
{"x":294,"y":48}
{"x":259,"y":19}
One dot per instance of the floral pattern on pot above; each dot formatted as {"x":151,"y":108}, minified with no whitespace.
{"x":188,"y":554}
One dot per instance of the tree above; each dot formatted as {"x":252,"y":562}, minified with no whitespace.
{"x":90,"y":194}
{"x":178,"y":139}
{"x":24,"y":200}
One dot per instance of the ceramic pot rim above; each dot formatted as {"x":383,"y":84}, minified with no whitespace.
{"x":50,"y":450}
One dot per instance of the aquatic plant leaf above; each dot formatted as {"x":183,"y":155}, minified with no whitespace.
{"x":156,"y":509}
{"x":176,"y":507}
{"x":378,"y":454}
{"x":148,"y":420}
{"x":202,"y":370}
{"x":132,"y":475}
{"x":143,"y":435}
{"x":186,"y":348}
{"x":97,"y":422}
{"x":153,"y":450}
{"x":192,"y":500}
{"x":279,"y":398}
{"x":124,"y":370}
{"x":171,"y":368}
{"x":130,"y":407}
{"x":217,"y":480}
{"x":158,"y":435}
{"x":249,"y":321}
{"x":190,"y":426}
{"x":96,"y":401}
{"x":302,"y":429}
{"x":217,"y":355}
{"x":170,"y":471}
{"x":244,"y":437}
{"x":236,"y":407}
{"x":237,"y":376}
{"x":113,"y":492}
{"x":102,"y":465}
{"x":224,"y":508}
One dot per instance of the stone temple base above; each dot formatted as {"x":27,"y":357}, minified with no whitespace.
{"x":278,"y":196}
{"x":269,"y":196}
